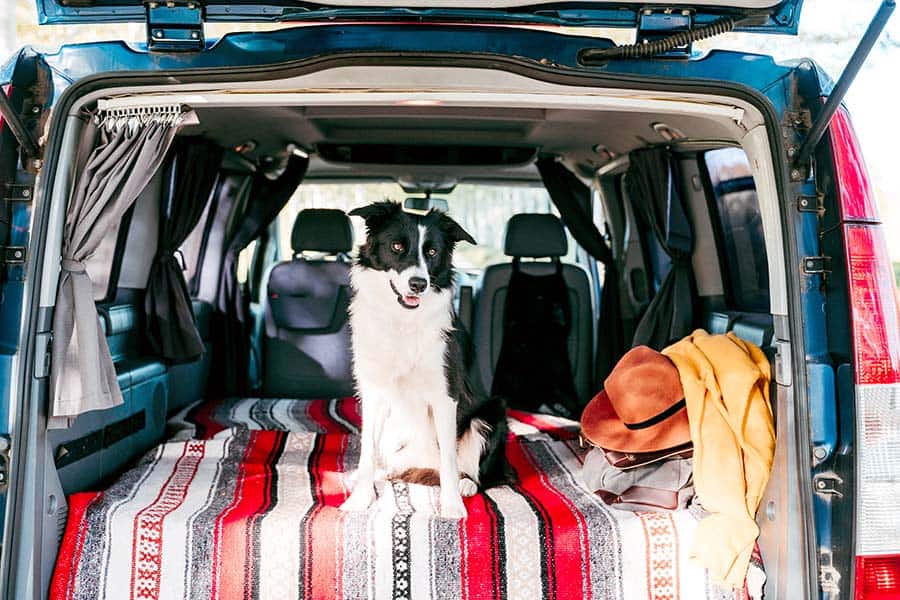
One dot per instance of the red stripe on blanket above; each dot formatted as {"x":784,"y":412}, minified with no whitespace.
{"x":323,"y":560}
{"x":481,"y":575}
{"x":251,"y":495}
{"x":203,"y":416}
{"x":147,"y":537}
{"x":544,"y":423}
{"x":317,"y":412}
{"x":565,"y":532}
{"x":348,"y":408}
{"x":62,"y":585}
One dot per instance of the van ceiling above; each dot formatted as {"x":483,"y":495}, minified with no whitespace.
{"x":568,"y":132}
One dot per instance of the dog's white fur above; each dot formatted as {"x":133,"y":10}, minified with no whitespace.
{"x":408,"y":416}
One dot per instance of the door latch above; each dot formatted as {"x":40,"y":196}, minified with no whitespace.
{"x":816,"y":265}
{"x":826,"y":484}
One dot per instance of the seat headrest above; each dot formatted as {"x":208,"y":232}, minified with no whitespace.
{"x":322,"y":230}
{"x":535,"y":236}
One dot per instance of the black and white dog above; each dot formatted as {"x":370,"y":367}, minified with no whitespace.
{"x":421,"y":420}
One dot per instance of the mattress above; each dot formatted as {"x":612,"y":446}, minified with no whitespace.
{"x":242,"y":502}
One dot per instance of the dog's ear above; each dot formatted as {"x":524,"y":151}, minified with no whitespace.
{"x":375,"y":213}
{"x":454,"y":231}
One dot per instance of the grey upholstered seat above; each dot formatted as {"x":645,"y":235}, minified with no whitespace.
{"x":534,"y":236}
{"x":306,"y":346}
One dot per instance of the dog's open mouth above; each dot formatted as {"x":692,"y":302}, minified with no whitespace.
{"x":407,"y":300}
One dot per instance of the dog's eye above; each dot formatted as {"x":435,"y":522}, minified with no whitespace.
{"x":397,"y":247}
{"x":431,"y":251}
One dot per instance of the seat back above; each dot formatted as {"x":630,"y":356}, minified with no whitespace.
{"x":306,"y":346}
{"x":534,"y":236}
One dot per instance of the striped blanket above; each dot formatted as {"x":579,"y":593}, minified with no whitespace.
{"x":242,"y":503}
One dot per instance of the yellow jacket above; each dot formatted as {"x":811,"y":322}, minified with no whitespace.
{"x":726,"y":388}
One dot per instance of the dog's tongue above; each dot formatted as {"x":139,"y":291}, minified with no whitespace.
{"x":411,"y":300}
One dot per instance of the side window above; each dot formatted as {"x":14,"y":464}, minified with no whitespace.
{"x":194,"y":245}
{"x":99,"y":265}
{"x":245,"y":262}
{"x":740,"y":224}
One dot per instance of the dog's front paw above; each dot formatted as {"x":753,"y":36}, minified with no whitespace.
{"x":452,"y":506}
{"x":360,"y":499}
{"x":467,"y":487}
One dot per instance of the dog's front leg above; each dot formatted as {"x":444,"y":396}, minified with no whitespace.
{"x":444,"y":414}
{"x":374,"y":412}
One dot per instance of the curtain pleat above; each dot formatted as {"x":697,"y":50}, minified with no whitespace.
{"x":120,"y":162}
{"x":652,"y":190}
{"x":231,"y":333}
{"x":573,"y":198}
{"x":171,"y":330}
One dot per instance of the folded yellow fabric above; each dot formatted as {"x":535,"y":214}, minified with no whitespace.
{"x":726,"y":388}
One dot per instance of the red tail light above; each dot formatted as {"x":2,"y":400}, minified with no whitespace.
{"x":873,"y":300}
{"x":878,"y":577}
{"x":857,"y":199}
{"x":875,"y":314}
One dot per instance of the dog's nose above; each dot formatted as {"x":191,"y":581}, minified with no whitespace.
{"x":418,"y":284}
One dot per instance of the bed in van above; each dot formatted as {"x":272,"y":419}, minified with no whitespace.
{"x":177,"y":407}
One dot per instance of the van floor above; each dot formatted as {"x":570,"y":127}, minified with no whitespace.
{"x":242,"y":501}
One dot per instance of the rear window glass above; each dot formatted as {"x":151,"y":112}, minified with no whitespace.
{"x":740,"y":224}
{"x":481,"y":209}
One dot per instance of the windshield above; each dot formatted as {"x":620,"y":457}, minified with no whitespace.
{"x":481,"y":209}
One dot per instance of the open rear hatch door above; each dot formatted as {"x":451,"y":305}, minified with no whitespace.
{"x":775,"y":16}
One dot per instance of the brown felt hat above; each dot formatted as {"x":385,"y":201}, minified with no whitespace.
{"x":641,"y":407}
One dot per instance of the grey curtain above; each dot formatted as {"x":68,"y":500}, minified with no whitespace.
{"x":124,"y":155}
{"x":192,"y":171}
{"x":653,"y":192}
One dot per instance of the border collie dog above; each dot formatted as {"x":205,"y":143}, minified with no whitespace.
{"x":422,"y":421}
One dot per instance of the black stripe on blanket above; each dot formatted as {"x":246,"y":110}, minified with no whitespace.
{"x":498,"y":548}
{"x":400,"y":542}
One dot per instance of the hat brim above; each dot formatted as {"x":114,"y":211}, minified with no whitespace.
{"x":602,"y":427}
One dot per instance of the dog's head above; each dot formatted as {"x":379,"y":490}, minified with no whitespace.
{"x":415,"y":253}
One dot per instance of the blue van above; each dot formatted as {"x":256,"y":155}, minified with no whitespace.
{"x":175,"y":389}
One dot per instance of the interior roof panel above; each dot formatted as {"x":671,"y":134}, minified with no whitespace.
{"x":568,"y":132}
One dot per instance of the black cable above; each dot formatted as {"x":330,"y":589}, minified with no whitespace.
{"x":660,"y":46}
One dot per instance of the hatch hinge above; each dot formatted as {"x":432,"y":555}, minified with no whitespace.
{"x":658,"y":24}
{"x":12,"y":255}
{"x":175,"y":26}
{"x":20,"y":131}
{"x":816,"y":265}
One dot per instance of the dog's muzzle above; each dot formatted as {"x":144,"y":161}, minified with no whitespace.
{"x":409,"y":301}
